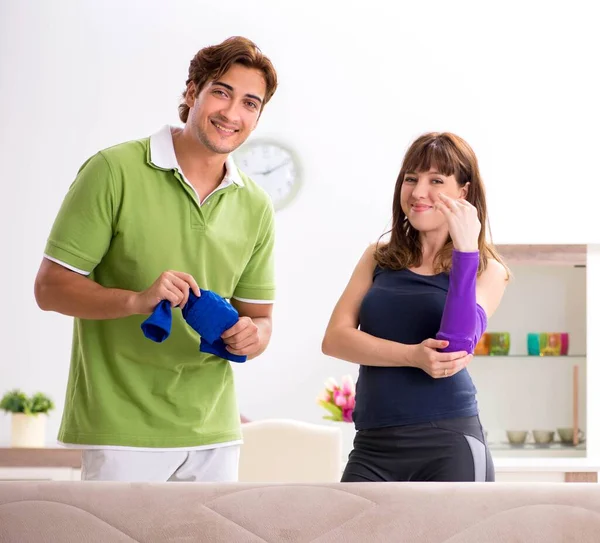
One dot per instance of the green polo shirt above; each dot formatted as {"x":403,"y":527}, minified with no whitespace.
{"x":129,"y":216}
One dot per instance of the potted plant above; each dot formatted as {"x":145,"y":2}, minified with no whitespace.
{"x":29,"y":416}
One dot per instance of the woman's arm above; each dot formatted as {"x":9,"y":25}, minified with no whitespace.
{"x":490,"y":287}
{"x":470,"y":301}
{"x":343,"y":339}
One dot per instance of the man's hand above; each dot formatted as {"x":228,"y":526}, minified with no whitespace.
{"x":438,"y":365}
{"x":171,"y":285}
{"x":242,"y":338}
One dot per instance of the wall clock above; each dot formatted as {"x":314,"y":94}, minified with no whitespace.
{"x":273,"y":166}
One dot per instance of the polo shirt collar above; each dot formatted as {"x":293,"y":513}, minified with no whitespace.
{"x":162,"y":155}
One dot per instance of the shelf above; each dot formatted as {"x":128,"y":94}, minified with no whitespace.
{"x":50,"y":457}
{"x":530,"y":356}
{"x":505,"y":446}
{"x":555,"y":255}
{"x":540,"y":463}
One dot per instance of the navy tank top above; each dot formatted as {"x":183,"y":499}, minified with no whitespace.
{"x":407,"y":307}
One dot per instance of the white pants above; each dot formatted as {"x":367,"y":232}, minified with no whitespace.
{"x":208,"y":465}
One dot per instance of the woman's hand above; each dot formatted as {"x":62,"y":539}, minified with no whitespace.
{"x":425,"y":356}
{"x":463,"y":223}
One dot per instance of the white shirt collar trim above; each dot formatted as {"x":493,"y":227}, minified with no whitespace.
{"x":162,"y":155}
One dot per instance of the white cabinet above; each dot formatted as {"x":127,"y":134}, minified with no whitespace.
{"x":553,"y":289}
{"x":546,"y":470}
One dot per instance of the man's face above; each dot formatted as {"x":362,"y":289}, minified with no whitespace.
{"x":226,"y":111}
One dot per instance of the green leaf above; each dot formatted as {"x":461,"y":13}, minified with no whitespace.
{"x":333,"y":409}
{"x":40,"y":403}
{"x":16,"y":401}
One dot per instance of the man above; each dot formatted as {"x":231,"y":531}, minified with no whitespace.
{"x":147,"y":221}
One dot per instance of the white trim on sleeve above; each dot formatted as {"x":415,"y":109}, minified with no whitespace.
{"x":253,"y":301}
{"x":65,"y":265}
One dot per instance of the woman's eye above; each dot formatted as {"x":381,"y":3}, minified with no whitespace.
{"x":409,"y":179}
{"x":438,"y":181}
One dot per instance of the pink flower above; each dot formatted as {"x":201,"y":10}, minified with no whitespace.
{"x":340,"y":399}
{"x":347,"y":385}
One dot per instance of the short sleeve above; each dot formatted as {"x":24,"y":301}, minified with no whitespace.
{"x":83,"y":229}
{"x":257,"y":283}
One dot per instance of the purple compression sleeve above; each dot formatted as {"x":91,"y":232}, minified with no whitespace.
{"x":463,"y":320}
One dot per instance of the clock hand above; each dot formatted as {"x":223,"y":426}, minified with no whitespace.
{"x":275,"y":168}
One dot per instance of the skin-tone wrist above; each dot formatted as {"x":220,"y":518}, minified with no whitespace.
{"x":405,"y":357}
{"x":132,"y":304}
{"x":469,"y":249}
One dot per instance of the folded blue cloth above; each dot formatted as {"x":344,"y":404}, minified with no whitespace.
{"x":209,"y":315}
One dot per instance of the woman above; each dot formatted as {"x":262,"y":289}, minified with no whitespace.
{"x":411,"y":316}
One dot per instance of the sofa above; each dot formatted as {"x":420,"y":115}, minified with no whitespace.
{"x":285,"y":450}
{"x":101,"y":512}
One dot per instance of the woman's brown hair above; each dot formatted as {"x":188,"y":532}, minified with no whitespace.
{"x":450,"y":155}
{"x":214,"y":61}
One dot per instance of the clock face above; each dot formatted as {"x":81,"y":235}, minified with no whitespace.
{"x":273,"y":167}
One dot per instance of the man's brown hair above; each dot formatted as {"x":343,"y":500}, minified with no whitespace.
{"x":213,"y":61}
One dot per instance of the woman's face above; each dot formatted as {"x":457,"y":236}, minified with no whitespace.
{"x":420,"y":191}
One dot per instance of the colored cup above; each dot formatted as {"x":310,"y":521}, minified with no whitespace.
{"x":564,"y":344}
{"x":543,"y":437}
{"x":499,"y":343}
{"x":533,"y":344}
{"x":483,"y":345}
{"x":566,"y":434}
{"x":549,"y":344}
{"x":516,"y":437}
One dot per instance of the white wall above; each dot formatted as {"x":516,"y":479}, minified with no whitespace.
{"x":357,"y":85}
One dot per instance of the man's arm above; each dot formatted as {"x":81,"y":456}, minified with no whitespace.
{"x":254,"y":294}
{"x":70,"y":293}
{"x":252,"y":333}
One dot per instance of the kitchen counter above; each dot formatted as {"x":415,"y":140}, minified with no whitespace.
{"x":50,"y":457}
{"x":564,"y":465}
{"x":569,"y":469}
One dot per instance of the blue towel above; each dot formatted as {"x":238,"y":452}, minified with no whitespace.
{"x":209,"y":315}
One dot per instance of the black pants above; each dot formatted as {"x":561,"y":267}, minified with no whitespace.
{"x":444,"y":450}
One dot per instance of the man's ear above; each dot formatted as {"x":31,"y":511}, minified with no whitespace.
{"x":190,"y":94}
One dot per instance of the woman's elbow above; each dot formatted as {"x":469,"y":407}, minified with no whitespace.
{"x":327,"y":345}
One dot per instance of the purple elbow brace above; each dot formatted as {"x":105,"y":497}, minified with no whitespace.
{"x":464,"y":321}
